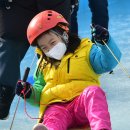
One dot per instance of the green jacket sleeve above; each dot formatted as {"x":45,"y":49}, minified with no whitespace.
{"x":38,"y":85}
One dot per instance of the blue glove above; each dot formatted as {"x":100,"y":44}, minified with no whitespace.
{"x":23,"y":88}
{"x":100,"y":34}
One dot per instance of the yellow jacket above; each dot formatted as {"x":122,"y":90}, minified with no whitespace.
{"x":72,"y":76}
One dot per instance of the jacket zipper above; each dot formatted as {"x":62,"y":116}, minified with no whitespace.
{"x":68,"y":66}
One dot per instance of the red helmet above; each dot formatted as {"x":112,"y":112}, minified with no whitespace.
{"x":43,"y":22}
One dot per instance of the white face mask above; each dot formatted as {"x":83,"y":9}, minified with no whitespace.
{"x":57,"y":51}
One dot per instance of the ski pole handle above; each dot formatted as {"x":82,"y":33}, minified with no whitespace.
{"x":26,"y":73}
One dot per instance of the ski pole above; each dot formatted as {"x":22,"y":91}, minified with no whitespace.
{"x":121,"y":65}
{"x":24,"y":79}
{"x":26,"y":73}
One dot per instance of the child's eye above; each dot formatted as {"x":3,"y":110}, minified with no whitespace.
{"x":43,"y":48}
{"x":53,"y":43}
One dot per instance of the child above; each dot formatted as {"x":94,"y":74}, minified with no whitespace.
{"x":67,"y":83}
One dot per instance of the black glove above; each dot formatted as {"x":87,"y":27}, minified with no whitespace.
{"x":23,"y":88}
{"x":100,"y":34}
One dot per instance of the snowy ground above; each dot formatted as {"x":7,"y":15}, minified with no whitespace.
{"x":116,"y":86}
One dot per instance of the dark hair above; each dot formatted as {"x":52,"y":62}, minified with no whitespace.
{"x":72,"y":45}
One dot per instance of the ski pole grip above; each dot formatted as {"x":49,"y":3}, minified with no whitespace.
{"x":26,"y":74}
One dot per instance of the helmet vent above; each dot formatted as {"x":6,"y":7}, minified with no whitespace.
{"x":49,"y":14}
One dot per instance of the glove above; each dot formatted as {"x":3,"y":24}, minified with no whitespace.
{"x":23,"y":88}
{"x":100,"y":34}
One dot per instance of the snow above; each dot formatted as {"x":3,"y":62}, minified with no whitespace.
{"x":116,"y":86}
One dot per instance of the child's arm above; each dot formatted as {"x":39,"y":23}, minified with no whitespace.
{"x":37,"y":89}
{"x":101,"y":59}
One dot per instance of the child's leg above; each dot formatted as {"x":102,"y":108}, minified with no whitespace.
{"x":56,"y":117}
{"x":92,"y":104}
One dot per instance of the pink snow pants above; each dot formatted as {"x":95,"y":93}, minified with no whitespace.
{"x":88,"y":109}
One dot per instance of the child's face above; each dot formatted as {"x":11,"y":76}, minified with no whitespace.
{"x":47,"y":41}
